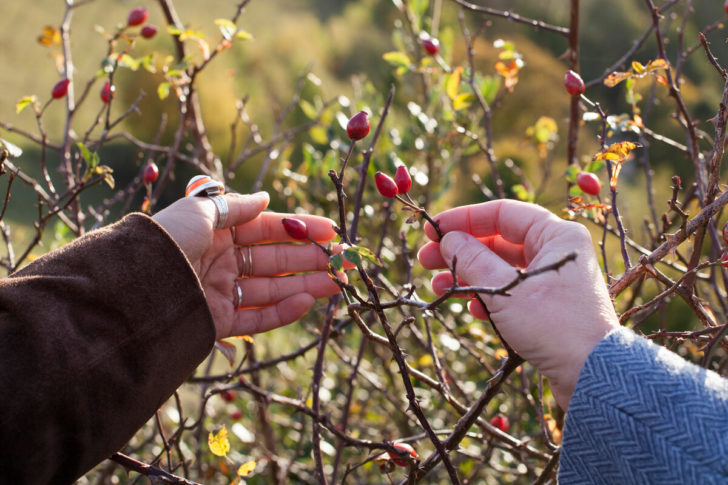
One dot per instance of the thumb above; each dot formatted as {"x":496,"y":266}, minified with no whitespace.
{"x":245,"y":207}
{"x":475,"y":262}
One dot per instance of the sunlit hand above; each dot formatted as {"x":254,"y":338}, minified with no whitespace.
{"x":273,"y":295}
{"x":554,"y":319}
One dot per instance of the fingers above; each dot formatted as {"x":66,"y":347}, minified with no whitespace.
{"x":431,"y":258}
{"x":269,"y":228}
{"x":259,"y":292}
{"x":261,"y":320}
{"x":281,"y":259}
{"x":476,"y":263}
{"x":513,"y":220}
{"x":245,"y":207}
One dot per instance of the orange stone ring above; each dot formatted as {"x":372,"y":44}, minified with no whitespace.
{"x":205,"y":186}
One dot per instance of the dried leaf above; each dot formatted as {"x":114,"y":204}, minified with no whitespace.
{"x":616,"y":77}
{"x":617,"y":152}
{"x":218,"y":442}
{"x":227,"y":349}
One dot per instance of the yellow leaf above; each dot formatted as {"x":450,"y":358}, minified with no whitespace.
{"x":246,"y":468}
{"x":617,"y":151}
{"x":462,"y":101}
{"x":501,"y":354}
{"x":616,"y":77}
{"x":453,"y":82}
{"x":24,"y":101}
{"x":51,"y":36}
{"x":425,"y":361}
{"x":637,"y":67}
{"x":657,"y":64}
{"x":218,"y":442}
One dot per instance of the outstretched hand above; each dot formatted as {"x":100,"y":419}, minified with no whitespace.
{"x":268,"y":300}
{"x":553,"y":319}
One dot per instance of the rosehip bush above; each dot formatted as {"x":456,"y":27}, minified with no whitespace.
{"x":419,"y":110}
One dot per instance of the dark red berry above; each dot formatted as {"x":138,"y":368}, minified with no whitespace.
{"x":501,"y":422}
{"x":431,"y":46}
{"x":574,"y":84}
{"x":385,"y":185}
{"x":402,"y":179}
{"x":358,"y":126}
{"x":149,"y":31}
{"x":406,"y":448}
{"x":151,"y":172}
{"x":724,"y":258}
{"x":295,"y":228}
{"x":236,"y":415}
{"x":227,"y":396}
{"x":60,"y":89}
{"x":589,"y":183}
{"x":725,"y":6}
{"x":725,"y":232}
{"x":137,"y":16}
{"x":107,"y":92}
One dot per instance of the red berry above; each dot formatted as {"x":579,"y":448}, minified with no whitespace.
{"x":574,"y":84}
{"x":724,"y":258}
{"x":431,"y":45}
{"x":236,"y":415}
{"x":60,"y":89}
{"x":107,"y":92}
{"x":501,"y":422}
{"x":358,"y":126}
{"x":405,"y":447}
{"x":227,"y":396}
{"x":151,"y":172}
{"x":725,"y":232}
{"x":402,"y":179}
{"x":725,"y":6}
{"x":385,"y":185}
{"x":149,"y":31}
{"x":589,"y":183}
{"x":137,"y":16}
{"x":295,"y":228}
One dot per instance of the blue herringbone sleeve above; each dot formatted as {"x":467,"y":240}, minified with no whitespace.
{"x":641,"y":414}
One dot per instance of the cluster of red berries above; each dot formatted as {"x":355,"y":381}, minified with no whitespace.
{"x":390,"y":187}
{"x":137,"y":16}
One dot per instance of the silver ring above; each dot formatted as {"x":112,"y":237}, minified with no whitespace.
{"x":222,"y":210}
{"x":250,"y":262}
{"x":237,"y":295}
{"x":244,"y":263}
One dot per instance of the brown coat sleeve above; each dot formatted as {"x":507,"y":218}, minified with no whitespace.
{"x":94,"y":338}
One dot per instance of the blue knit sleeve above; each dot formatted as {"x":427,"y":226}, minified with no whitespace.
{"x":641,"y":414}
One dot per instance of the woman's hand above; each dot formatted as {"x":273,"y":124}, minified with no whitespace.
{"x":268,"y":300}
{"x":554,"y":319}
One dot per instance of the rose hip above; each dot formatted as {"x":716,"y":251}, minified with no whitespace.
{"x":358,"y":126}
{"x":385,"y":185}
{"x":295,"y":228}
{"x":403,"y":179}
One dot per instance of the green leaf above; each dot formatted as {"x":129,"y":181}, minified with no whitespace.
{"x":84,"y":151}
{"x":319,"y":135}
{"x":489,"y":87}
{"x":398,"y":59}
{"x":575,"y":191}
{"x":163,"y":90}
{"x":128,"y":62}
{"x":356,"y":253}
{"x":243,"y":35}
{"x":522,"y":193}
{"x":571,"y":172}
{"x":308,"y":109}
{"x":337,"y":262}
{"x":595,"y":166}
{"x":24,"y":102}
